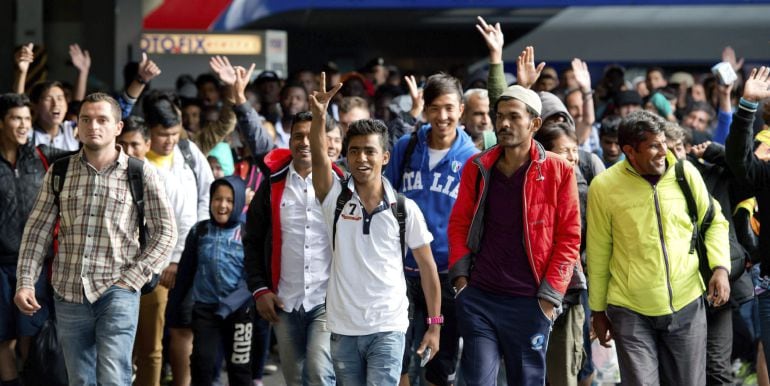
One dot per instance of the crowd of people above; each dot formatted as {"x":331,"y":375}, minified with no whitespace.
{"x":387,"y":227}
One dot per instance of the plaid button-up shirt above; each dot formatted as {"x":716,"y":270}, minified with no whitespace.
{"x":99,"y":236}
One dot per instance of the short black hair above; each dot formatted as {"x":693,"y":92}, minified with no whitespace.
{"x":552,"y":131}
{"x":609,"y":126}
{"x":367,"y":127}
{"x":634,"y":128}
{"x":701,"y":106}
{"x":291,"y":85}
{"x":41,"y":88}
{"x":135,"y":123}
{"x":11,"y":101}
{"x":441,"y":84}
{"x":302,"y":116}
{"x":162,"y":108}
{"x":206,"y":78}
{"x":187,"y":102}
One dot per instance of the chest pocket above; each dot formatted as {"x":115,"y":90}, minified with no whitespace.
{"x":73,"y":206}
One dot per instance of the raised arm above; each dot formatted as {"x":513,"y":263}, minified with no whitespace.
{"x":81,"y":59}
{"x":493,"y":36}
{"x":739,"y":145}
{"x":322,"y":166}
{"x":147,"y":71}
{"x":584,"y":126}
{"x":23,"y":58}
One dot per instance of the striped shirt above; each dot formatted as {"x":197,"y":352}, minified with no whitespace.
{"x":99,"y":236}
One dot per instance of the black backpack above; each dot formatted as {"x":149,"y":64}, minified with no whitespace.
{"x":136,"y":186}
{"x":399,"y":210}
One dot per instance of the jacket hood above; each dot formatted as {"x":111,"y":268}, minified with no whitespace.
{"x":552,"y":105}
{"x":238,"y":187}
{"x":224,"y":156}
{"x":276,"y":160}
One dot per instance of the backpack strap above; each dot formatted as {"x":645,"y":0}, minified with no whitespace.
{"x":342,"y":199}
{"x":58,"y":173}
{"x":399,"y":211}
{"x":189,"y":159}
{"x":42,"y":156}
{"x":692,"y":208}
{"x":136,"y":186}
{"x":407,"y":155}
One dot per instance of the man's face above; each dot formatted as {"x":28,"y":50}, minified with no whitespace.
{"x":655,"y":80}
{"x":334,"y":144}
{"x":299,"y":145}
{"x":610,"y":148}
{"x":569,"y":82}
{"x":443,"y":114}
{"x":216,"y":167}
{"x":308,"y":81}
{"x":514,"y":125}
{"x":14,"y":128}
{"x":294,"y":101}
{"x":567,"y":148}
{"x":574,"y":102}
{"x":209,"y":94}
{"x":624,"y":110}
{"x":677,"y":147}
{"x":366,"y":157}
{"x":52,"y":107}
{"x":697,"y":120}
{"x":698,"y":93}
{"x":163,"y":140}
{"x":476,"y":115}
{"x":269,"y":92}
{"x":191,"y":117}
{"x":97,"y":126}
{"x":134,"y":144}
{"x":351,"y":116}
{"x":650,"y":157}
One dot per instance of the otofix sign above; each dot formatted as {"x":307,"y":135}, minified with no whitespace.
{"x":201,"y":44}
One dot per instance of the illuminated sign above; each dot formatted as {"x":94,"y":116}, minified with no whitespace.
{"x":201,"y":44}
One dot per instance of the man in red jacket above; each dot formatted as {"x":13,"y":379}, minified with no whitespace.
{"x":514,"y":237}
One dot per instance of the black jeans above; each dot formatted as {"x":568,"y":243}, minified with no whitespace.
{"x":719,"y":346}
{"x":234,"y":334}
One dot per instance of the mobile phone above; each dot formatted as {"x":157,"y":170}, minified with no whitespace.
{"x":425,"y":357}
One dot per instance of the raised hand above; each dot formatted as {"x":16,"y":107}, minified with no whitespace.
{"x":242,"y":77}
{"x":728,"y":55}
{"x":757,"y":84}
{"x":319,"y":100}
{"x":224,"y":70}
{"x":147,"y":69}
{"x":526,"y":72}
{"x":24,"y":57}
{"x":582,"y":76}
{"x":416,"y":94}
{"x":493,"y":35}
{"x":81,"y":59}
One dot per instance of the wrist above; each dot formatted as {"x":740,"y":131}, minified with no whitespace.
{"x":495,"y":57}
{"x":749,"y":102}
{"x":720,"y":268}
{"x":434,"y":320}
{"x":140,"y":80}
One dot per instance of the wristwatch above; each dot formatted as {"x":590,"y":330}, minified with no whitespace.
{"x":435,"y":320}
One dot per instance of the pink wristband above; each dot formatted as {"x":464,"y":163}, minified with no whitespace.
{"x":435,"y":320}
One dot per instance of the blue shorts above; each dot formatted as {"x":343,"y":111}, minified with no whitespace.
{"x":13,"y":323}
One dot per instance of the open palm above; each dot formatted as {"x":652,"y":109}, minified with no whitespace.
{"x":757,"y":86}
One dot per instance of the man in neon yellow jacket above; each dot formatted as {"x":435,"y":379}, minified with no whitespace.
{"x":644,"y":284}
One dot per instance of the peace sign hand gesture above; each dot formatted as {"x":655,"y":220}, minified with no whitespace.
{"x":319,"y":100}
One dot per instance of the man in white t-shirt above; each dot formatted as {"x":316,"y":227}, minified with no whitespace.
{"x":367,"y":308}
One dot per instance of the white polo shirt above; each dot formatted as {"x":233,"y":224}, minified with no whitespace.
{"x":367,"y":289}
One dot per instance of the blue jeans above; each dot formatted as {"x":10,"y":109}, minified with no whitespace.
{"x":96,"y":338}
{"x":304,"y":345}
{"x":492,"y":324}
{"x":763,"y":305}
{"x":371,"y":360}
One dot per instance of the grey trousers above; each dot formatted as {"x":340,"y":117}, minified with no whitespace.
{"x":655,"y":350}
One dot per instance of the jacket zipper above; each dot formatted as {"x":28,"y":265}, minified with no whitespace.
{"x":525,"y":236}
{"x":663,"y":246}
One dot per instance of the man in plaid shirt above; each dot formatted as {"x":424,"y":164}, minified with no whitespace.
{"x":99,"y":269}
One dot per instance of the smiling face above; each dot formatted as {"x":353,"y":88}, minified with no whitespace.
{"x":97,"y":126}
{"x":15,"y":126}
{"x":333,"y":143}
{"x":299,"y":145}
{"x":443,"y":114}
{"x":649,"y":157}
{"x":366,"y":157}
{"x":51,"y":108}
{"x":222,"y":203}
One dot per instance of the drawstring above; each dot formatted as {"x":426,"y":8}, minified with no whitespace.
{"x":539,"y":173}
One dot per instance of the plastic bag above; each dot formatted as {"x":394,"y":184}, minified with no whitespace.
{"x":45,"y":364}
{"x":606,"y":363}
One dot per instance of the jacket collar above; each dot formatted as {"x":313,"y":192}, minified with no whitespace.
{"x":488,"y":157}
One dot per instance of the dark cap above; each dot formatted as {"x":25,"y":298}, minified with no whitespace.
{"x":630,"y":97}
{"x":370,"y":65}
{"x":266,"y":76}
